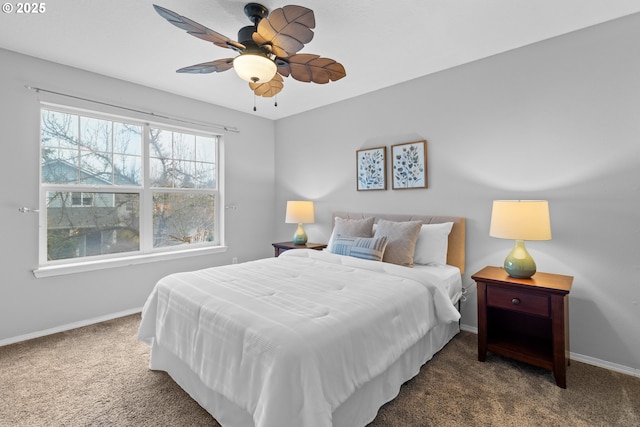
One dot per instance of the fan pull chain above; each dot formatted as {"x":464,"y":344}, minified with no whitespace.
{"x":275,"y":104}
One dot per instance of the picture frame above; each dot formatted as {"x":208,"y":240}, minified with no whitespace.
{"x":371,"y":169}
{"x":409,"y":165}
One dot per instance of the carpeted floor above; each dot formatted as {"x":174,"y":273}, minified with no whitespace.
{"x":99,"y":376}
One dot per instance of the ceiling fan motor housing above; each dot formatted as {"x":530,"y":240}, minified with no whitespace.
{"x":245,"y":35}
{"x":255,"y":12}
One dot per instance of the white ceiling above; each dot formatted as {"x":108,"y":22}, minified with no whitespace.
{"x":380,"y":42}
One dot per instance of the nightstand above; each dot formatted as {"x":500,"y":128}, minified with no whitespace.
{"x":525,"y":319}
{"x":285,"y":246}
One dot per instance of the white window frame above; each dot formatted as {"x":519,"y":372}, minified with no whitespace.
{"x":146,"y":253}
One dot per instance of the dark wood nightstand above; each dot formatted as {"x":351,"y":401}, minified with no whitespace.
{"x":285,"y":246}
{"x":525,"y":319}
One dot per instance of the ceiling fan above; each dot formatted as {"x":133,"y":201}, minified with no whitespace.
{"x":267,"y":49}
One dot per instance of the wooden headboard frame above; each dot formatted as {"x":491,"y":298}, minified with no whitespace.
{"x":456,"y":249}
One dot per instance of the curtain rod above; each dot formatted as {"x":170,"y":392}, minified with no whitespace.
{"x":217,"y":126}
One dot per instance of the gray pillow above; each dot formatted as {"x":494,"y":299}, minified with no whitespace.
{"x":351,"y":228}
{"x":401,"y":240}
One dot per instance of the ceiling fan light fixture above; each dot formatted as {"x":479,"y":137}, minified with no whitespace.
{"x":254,"y":68}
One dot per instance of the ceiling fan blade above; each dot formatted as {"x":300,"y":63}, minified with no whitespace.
{"x":286,"y":29}
{"x":198,"y":30}
{"x":217,"y":66}
{"x":307,"y":67}
{"x":268,"y":89}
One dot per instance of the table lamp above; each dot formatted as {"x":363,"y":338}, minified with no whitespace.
{"x":300,"y":212}
{"x":520,"y":220}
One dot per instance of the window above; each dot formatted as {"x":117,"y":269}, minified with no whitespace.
{"x":114,"y":187}
{"x":81,"y":199}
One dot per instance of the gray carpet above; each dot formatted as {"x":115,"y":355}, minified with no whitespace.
{"x":98,"y":376}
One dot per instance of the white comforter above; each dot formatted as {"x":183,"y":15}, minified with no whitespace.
{"x":290,"y":338}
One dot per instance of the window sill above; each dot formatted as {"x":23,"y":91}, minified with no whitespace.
{"x":80,"y":267}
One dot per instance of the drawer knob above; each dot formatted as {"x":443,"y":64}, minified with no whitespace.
{"x":515,"y":301}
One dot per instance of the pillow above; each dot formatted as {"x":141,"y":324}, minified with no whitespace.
{"x":402,"y":237}
{"x":433,"y":243}
{"x":351,"y":228}
{"x":371,"y":248}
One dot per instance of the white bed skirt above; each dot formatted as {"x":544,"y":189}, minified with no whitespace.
{"x":358,"y":410}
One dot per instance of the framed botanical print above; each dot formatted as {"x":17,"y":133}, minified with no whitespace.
{"x":409,"y":165}
{"x":371,"y":169}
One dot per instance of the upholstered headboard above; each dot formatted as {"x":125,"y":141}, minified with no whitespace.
{"x":456,"y":248}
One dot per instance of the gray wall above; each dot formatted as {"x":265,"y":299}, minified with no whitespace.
{"x":557,"y":120}
{"x":29,"y":305}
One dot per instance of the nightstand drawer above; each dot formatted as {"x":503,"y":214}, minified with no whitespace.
{"x":524,"y":302}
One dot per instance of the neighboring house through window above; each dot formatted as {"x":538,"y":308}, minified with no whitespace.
{"x":81,"y":199}
{"x":113,"y":187}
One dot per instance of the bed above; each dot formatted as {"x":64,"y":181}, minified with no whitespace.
{"x":307,"y":339}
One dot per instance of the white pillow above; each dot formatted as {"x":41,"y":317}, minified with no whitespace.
{"x":433,"y":243}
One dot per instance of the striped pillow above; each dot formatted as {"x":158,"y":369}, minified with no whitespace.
{"x":371,"y":248}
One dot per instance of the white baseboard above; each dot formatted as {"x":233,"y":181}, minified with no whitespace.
{"x":69,"y":326}
{"x":606,"y":365}
{"x":468,"y":328}
{"x":582,"y":358}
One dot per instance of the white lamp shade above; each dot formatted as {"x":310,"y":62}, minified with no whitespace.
{"x":254,"y":68}
{"x":520,"y":220}
{"x":299,"y":212}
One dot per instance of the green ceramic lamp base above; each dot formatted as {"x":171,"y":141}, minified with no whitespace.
{"x":300,"y":236}
{"x":519,"y":263}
